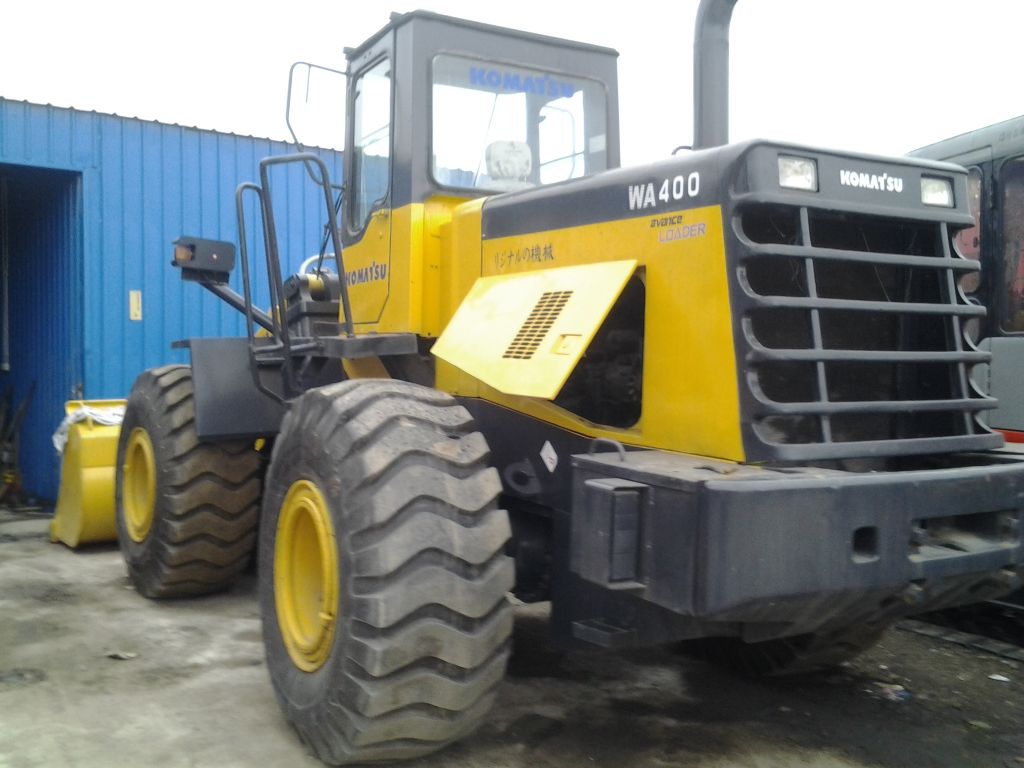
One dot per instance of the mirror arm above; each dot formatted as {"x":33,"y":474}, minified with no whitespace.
{"x":236,"y":301}
{"x":288,"y":107}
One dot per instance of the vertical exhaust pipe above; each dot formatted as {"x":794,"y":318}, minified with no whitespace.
{"x":711,"y":73}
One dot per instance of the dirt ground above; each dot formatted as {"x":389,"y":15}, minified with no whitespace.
{"x":91,"y":674}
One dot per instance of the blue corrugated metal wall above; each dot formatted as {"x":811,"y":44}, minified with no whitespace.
{"x":105,"y":228}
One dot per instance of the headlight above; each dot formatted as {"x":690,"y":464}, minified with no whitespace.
{"x":936,"y":191}
{"x":183,"y":253}
{"x":798,"y":173}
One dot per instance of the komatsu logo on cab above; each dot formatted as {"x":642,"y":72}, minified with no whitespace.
{"x":882,"y":183}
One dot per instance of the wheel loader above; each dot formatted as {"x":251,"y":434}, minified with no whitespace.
{"x":724,"y":398}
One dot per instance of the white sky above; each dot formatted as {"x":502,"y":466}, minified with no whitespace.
{"x":882,"y":76}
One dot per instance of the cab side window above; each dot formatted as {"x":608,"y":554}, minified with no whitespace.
{"x":1012,"y":182}
{"x":372,"y":142}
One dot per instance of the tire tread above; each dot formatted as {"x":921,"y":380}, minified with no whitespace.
{"x":208,"y":494}
{"x":427,"y":619}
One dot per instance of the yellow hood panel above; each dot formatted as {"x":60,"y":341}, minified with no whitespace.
{"x":524,"y":333}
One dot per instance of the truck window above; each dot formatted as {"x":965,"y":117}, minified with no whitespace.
{"x":968,"y":241}
{"x":372,"y":144}
{"x":1012,"y":182}
{"x":501,"y":128}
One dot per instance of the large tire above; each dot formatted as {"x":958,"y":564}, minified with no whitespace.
{"x":187,"y":509}
{"x":383,"y":577}
{"x":802,"y":654}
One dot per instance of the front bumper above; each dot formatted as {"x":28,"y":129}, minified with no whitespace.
{"x":797,"y":547}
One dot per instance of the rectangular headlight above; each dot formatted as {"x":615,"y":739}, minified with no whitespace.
{"x":937,"y":192}
{"x":798,"y":173}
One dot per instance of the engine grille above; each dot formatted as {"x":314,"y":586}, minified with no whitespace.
{"x":853,"y":328}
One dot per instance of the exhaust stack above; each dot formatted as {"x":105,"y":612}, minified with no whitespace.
{"x":711,"y":73}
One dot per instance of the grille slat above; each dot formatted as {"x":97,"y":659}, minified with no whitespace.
{"x":862,"y":257}
{"x":881,"y":448}
{"x":887,"y":307}
{"x":812,"y":293}
{"x":872,"y":406}
{"x":760,"y":353}
{"x":853,"y":334}
{"x":957,"y":335}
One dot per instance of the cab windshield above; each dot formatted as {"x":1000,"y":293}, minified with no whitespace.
{"x":500,"y":127}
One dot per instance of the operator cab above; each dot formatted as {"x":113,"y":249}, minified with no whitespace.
{"x":488,"y":111}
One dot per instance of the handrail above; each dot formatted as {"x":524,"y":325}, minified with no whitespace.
{"x":268,"y":322}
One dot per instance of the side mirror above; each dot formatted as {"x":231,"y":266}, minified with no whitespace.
{"x":204,"y":261}
{"x":315,"y":106}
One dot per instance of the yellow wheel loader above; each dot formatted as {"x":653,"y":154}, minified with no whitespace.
{"x":724,"y":398}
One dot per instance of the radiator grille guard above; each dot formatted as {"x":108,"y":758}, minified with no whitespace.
{"x":851,"y":335}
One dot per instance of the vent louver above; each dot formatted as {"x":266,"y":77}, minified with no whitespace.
{"x":527,"y":340}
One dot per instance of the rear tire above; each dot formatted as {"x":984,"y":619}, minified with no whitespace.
{"x":383,"y":577}
{"x":187,"y":509}
{"x":797,"y":655}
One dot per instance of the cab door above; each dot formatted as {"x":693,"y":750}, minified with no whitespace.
{"x":368,"y":172}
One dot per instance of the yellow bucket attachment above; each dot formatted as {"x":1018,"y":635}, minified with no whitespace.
{"x":85,"y":504}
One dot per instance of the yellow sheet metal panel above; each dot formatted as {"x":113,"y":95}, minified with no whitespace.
{"x":365,"y":368}
{"x":85,"y":504}
{"x":437,"y":216}
{"x":523,"y":334}
{"x":394,"y":270}
{"x":461,"y":243}
{"x":690,"y":395}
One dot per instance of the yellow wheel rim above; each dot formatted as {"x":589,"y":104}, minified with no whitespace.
{"x":139,"y":489}
{"x":306,"y":576}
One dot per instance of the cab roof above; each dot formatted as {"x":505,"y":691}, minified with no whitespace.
{"x":401,"y":19}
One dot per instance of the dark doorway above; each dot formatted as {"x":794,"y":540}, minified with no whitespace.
{"x":40,"y":310}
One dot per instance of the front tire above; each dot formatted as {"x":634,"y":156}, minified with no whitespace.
{"x":187,"y":509}
{"x":383,"y":577}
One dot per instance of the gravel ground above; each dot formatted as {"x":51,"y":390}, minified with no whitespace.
{"x":91,"y":674}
